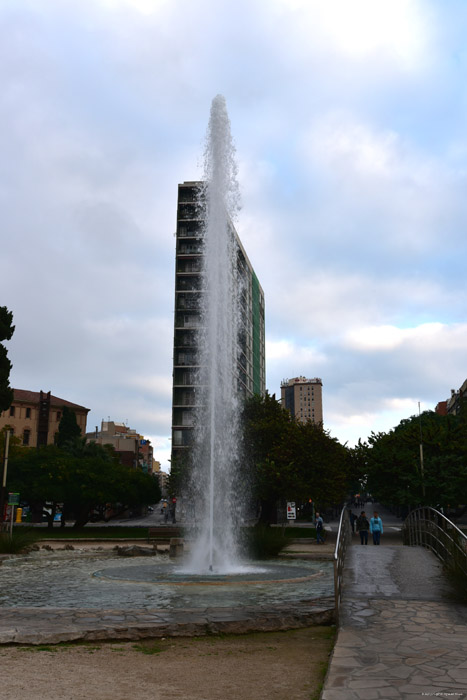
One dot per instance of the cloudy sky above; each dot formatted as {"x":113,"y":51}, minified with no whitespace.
{"x":349,"y":120}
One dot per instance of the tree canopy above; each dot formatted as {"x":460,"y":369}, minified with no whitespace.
{"x":80,"y":480}
{"x":6,"y":331}
{"x":292,"y":460}
{"x":68,"y":429}
{"x":394,"y":468}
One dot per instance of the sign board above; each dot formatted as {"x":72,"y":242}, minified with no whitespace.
{"x":291,"y":510}
{"x":13,"y":499}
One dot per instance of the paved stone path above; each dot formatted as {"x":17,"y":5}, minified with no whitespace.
{"x":401,"y":635}
{"x":53,"y":625}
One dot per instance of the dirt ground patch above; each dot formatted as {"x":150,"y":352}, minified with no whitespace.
{"x":260,"y":666}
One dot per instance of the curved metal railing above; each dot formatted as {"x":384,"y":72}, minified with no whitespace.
{"x":343,"y":540}
{"x":427,"y":527}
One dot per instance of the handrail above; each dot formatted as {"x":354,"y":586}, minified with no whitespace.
{"x":342,"y":541}
{"x":427,"y":527}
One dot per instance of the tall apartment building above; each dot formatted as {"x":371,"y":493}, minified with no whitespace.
{"x":303,"y":398}
{"x":34,"y":416}
{"x":251,"y":373}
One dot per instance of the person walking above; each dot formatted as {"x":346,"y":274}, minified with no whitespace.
{"x":165,"y":510}
{"x":376,"y":527}
{"x":352,"y":518}
{"x":362,"y":527}
{"x":319,"y":525}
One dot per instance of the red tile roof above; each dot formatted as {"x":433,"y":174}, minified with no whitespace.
{"x":34,"y":397}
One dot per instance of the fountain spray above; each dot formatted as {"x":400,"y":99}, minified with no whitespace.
{"x":216,"y":449}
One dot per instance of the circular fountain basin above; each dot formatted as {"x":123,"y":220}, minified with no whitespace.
{"x":68,"y":596}
{"x":77,"y":580}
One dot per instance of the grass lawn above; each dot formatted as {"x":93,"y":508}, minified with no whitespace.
{"x":99,"y":533}
{"x":300,"y":532}
{"x":127,"y":532}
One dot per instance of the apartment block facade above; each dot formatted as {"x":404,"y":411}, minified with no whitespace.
{"x":34,"y":416}
{"x":303,"y":398}
{"x":251,"y":372}
{"x":134,"y":450}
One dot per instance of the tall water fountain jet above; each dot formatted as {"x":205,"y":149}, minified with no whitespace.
{"x":216,"y":451}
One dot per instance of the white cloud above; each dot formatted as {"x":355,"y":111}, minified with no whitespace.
{"x":375,"y":338}
{"x":363,"y":28}
{"x":423,"y":339}
{"x":384,"y":184}
{"x":350,"y":428}
{"x":145,"y":7}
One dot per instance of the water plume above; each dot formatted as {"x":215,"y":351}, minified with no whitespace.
{"x":216,"y":451}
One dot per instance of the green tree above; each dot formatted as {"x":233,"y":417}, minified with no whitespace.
{"x":80,"y":483}
{"x":69,"y":432}
{"x":266,"y":425}
{"x":394,"y":467}
{"x":292,"y":460}
{"x":6,"y":332}
{"x":40,"y":477}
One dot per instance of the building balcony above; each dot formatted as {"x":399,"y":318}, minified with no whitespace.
{"x":181,"y":438}
{"x":189,"y":284}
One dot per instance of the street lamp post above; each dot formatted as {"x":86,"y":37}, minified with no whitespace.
{"x":422,"y":471}
{"x":5,"y":470}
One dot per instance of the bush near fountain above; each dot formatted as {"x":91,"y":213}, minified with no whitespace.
{"x":264,"y":542}
{"x":18,"y":542}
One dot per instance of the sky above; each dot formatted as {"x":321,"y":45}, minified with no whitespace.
{"x":349,"y":122}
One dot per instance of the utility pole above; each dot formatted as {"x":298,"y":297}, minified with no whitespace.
{"x":422,"y":470}
{"x":5,"y":470}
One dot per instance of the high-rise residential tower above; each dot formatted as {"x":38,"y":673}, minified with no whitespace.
{"x":188,"y":324}
{"x":303,"y":398}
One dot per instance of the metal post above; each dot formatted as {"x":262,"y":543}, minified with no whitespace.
{"x":422,"y":471}
{"x":5,"y":470}
{"x":336,"y":593}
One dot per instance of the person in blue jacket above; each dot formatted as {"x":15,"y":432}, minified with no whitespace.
{"x":319,"y":525}
{"x":376,"y":527}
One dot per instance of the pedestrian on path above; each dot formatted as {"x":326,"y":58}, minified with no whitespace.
{"x":352,"y":518}
{"x":319,"y":525}
{"x":362,"y":527}
{"x":376,"y":527}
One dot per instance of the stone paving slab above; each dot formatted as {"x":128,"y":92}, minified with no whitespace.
{"x":53,"y":625}
{"x":395,"y":653}
{"x":400,"y":634}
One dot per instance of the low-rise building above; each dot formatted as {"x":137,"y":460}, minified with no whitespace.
{"x":452,"y":406}
{"x":34,"y":416}
{"x":133,"y":449}
{"x":442,"y":408}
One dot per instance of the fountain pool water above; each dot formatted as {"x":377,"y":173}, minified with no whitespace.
{"x":82,"y":580}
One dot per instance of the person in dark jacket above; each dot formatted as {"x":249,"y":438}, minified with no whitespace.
{"x":362,"y":527}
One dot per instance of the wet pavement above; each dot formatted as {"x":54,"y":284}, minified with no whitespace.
{"x":401,"y":634}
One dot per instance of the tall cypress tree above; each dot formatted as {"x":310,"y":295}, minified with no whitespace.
{"x":6,"y":331}
{"x":68,"y":430}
